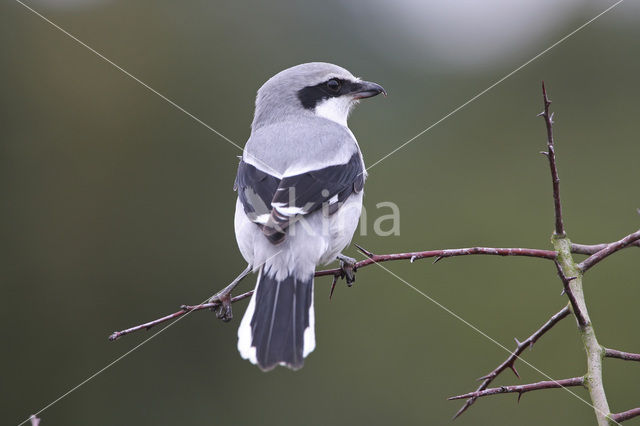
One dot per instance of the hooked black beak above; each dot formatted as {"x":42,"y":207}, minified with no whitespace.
{"x":368,"y":89}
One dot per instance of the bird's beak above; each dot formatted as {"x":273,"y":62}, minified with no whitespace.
{"x":367,"y":89}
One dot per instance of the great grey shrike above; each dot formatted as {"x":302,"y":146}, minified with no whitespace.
{"x":300,"y":184}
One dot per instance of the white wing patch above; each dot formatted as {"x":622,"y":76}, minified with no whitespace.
{"x":288,"y":211}
{"x":262,"y":219}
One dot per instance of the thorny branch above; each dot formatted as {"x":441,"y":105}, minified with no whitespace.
{"x":520,"y":389}
{"x":441,"y":254}
{"x":571,"y":275}
{"x":608,"y":250}
{"x":510,"y":361}
{"x":378,"y":258}
{"x":184,"y":309}
{"x":572,"y":298}
{"x":551,"y":155}
{"x":569,"y":271}
{"x":337,"y":273}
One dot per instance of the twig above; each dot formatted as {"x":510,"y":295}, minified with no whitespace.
{"x":608,"y":250}
{"x":592,"y":249}
{"x":413,"y":256}
{"x":572,"y":298}
{"x":510,"y":361}
{"x":543,"y":254}
{"x":627,"y":356}
{"x":184,"y":309}
{"x":551,"y":155}
{"x":520,"y":389}
{"x":625,"y":415}
{"x":571,"y":275}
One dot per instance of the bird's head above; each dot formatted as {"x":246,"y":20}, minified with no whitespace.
{"x":319,"y":88}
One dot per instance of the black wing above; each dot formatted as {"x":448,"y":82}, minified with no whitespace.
{"x":255,"y":190}
{"x":285,"y":200}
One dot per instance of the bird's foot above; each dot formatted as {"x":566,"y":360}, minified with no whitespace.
{"x":223,"y":297}
{"x":347,"y":266}
{"x":223,"y":311}
{"x":347,"y":271}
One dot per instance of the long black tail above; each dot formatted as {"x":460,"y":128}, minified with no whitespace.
{"x":278,"y":326}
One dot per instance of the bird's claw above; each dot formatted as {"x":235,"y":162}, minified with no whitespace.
{"x":223,"y":310}
{"x":347,"y":271}
{"x":347,"y":266}
{"x":223,"y":298}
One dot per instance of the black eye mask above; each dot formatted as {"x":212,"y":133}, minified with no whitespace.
{"x":310,"y":96}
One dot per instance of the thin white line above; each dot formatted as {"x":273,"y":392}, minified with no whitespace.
{"x":495,"y":84}
{"x":449,"y":311}
{"x":107,"y":366}
{"x":374,"y":164}
{"x":142,"y":83}
{"x":145,"y":85}
{"x":122,"y":356}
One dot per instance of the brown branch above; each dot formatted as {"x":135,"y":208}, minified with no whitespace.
{"x":441,"y":254}
{"x":608,"y":250}
{"x":372,"y":258}
{"x":625,"y":415}
{"x":520,"y":389}
{"x":572,"y":298}
{"x":593,"y":249}
{"x":571,"y":275}
{"x":627,"y":356}
{"x":184,"y":309}
{"x":510,"y":361}
{"x":551,"y":155}
{"x":569,"y":272}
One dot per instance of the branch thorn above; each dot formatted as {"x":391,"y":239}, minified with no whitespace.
{"x":513,"y":368}
{"x":544,"y":94}
{"x":363,"y":250}
{"x":333,"y":286}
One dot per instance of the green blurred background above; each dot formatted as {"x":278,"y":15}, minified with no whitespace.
{"x":116,"y":207}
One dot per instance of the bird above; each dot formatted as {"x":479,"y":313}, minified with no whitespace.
{"x":300,"y":183}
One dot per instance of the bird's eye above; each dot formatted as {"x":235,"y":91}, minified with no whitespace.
{"x":333,"y":85}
